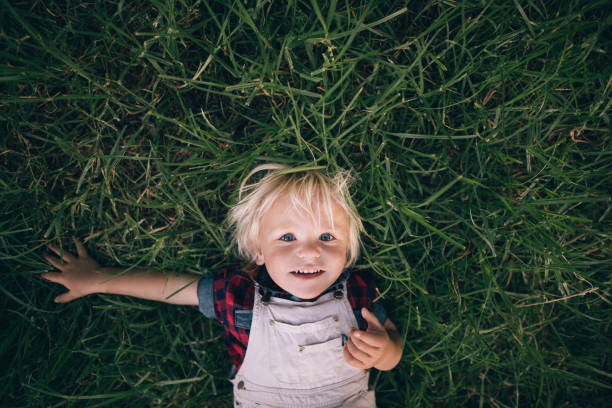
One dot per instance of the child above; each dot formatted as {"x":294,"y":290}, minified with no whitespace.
{"x":301,"y":329}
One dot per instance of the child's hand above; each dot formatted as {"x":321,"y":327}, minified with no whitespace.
{"x":373,"y":347}
{"x":78,"y":274}
{"x":82,"y":276}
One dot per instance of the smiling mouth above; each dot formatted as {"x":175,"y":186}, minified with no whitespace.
{"x":307,"y":273}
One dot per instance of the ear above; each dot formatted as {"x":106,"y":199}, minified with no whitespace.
{"x":259,"y":258}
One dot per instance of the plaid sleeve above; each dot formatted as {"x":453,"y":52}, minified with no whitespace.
{"x":227,"y":295}
{"x":206,"y":301}
{"x":233,"y":294}
{"x":362,"y":292}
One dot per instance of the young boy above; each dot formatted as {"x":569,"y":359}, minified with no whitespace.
{"x":301,"y":329}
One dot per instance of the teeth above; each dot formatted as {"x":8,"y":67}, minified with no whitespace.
{"x":308,"y":271}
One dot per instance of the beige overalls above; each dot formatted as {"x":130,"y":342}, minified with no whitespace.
{"x":295,"y":356}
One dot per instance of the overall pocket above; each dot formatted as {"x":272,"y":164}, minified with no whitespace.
{"x":309,"y":365}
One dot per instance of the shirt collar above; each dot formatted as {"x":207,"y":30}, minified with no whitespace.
{"x":270,"y":288}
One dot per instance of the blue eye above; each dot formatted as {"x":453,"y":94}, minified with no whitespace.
{"x":287,"y":237}
{"x":326,"y":237}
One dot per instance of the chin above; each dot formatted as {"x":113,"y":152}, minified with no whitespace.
{"x":307,"y":294}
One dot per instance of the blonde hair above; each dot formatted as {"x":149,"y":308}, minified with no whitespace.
{"x":306,"y":187}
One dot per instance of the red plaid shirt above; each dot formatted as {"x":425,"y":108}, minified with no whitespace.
{"x":228,"y":296}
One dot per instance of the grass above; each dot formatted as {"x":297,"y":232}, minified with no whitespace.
{"x":479,"y":133}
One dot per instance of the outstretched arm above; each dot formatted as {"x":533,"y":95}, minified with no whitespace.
{"x":379,"y":346}
{"x":82,"y":275}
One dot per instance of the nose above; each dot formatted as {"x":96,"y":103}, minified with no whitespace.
{"x":309,"y":250}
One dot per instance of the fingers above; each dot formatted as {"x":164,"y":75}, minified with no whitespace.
{"x":57,"y":278}
{"x":72,"y":270}
{"x":65,"y":297}
{"x":360,"y":354}
{"x":359,"y":357}
{"x":371,"y":319}
{"x":363,"y":342}
{"x":54,"y":261}
{"x":67,"y":256}
{"x":349,"y":358}
{"x":374,"y":339}
{"x":52,"y":276}
{"x":81,"y":251}
{"x":365,"y":348}
{"x":359,"y":349}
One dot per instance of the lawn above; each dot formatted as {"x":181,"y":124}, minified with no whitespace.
{"x":478,"y":133}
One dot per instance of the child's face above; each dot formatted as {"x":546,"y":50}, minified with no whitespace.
{"x":290,"y":242}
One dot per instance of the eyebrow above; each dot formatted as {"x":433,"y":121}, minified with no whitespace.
{"x":289,"y":228}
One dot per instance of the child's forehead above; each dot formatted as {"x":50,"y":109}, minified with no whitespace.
{"x":287,"y":211}
{"x":283,"y":217}
{"x":317,"y":205}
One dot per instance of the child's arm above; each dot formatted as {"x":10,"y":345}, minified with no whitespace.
{"x":380,"y":346}
{"x":82,"y":275}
